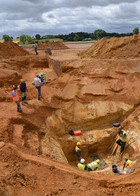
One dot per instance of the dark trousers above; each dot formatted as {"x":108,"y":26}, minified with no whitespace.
{"x":88,"y":168}
{"x":39,"y":91}
{"x":122,"y":144}
{"x":19,"y":109}
{"x":36,"y":51}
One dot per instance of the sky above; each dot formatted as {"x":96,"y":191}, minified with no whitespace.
{"x":53,"y":17}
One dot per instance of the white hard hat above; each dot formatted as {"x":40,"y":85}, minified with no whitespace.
{"x":82,"y":160}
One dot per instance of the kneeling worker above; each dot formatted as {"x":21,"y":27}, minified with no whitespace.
{"x":81,"y":165}
{"x":93,"y":165}
{"x":122,"y":140}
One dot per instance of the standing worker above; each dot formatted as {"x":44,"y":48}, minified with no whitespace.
{"x":23,"y":90}
{"x":16,"y":99}
{"x":93,"y":165}
{"x":78,"y":151}
{"x":38,"y":84}
{"x":81,"y":165}
{"x":122,"y":140}
{"x":35,"y":48}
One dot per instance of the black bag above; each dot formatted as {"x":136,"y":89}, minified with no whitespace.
{"x":71,"y":132}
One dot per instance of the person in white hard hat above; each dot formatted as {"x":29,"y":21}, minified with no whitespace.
{"x":81,"y":165}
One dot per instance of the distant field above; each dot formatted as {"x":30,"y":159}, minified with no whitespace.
{"x":41,"y":40}
{"x":50,"y":40}
{"x":55,"y":39}
{"x":14,"y":40}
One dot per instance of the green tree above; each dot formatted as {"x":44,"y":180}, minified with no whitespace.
{"x":7,"y":38}
{"x":76,"y":37}
{"x":99,"y":33}
{"x":22,"y":38}
{"x":136,"y":30}
{"x":37,"y":36}
{"x":28,"y":39}
{"x":25,"y":39}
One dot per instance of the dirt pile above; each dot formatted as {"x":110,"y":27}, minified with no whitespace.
{"x":10,"y":49}
{"x":53,"y":45}
{"x":124,"y":47}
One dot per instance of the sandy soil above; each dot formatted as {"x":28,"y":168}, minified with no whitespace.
{"x":24,"y":169}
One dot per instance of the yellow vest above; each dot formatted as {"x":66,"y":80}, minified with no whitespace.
{"x":93,"y":165}
{"x":122,"y":137}
{"x":129,"y":162}
{"x":81,"y":166}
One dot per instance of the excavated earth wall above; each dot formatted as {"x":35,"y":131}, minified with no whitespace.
{"x":89,"y":94}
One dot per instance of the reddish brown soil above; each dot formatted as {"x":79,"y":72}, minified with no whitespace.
{"x":52,"y":45}
{"x":10,"y":49}
{"x":24,"y":169}
{"x":125,"y":47}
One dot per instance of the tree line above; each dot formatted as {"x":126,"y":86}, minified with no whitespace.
{"x":79,"y":36}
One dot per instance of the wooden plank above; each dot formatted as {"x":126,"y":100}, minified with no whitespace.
{"x":115,"y":145}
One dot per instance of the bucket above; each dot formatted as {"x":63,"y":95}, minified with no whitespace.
{"x":77,"y":132}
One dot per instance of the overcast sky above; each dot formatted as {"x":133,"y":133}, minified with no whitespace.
{"x":47,"y":17}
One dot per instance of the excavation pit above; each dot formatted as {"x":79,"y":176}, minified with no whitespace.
{"x":96,"y":142}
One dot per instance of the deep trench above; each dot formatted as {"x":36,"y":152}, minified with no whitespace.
{"x":90,"y":151}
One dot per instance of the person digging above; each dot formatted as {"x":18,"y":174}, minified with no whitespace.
{"x":93,"y":166}
{"x":122,"y":140}
{"x":81,"y":165}
{"x":78,"y":151}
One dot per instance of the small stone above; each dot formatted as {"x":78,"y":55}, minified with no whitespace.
{"x":51,"y":167}
{"x":76,"y":177}
{"x":74,"y":182}
{"x":2,"y":144}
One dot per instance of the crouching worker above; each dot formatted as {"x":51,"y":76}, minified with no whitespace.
{"x":93,"y":166}
{"x":122,"y":140}
{"x":127,"y":163}
{"x":81,"y":165}
{"x":115,"y":169}
{"x":16,"y":98}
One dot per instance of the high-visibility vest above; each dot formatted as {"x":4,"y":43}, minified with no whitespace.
{"x":76,"y":148}
{"x":129,"y":162}
{"x":93,"y":165}
{"x":122,"y":137}
{"x":81,"y":166}
{"x":16,"y":97}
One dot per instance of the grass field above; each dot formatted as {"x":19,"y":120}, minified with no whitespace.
{"x":50,"y":40}
{"x":41,"y":40}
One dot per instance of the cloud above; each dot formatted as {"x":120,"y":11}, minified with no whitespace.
{"x":61,"y":16}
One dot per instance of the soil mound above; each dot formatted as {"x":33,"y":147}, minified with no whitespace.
{"x":125,"y":47}
{"x":10,"y":49}
{"x":52,"y":45}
